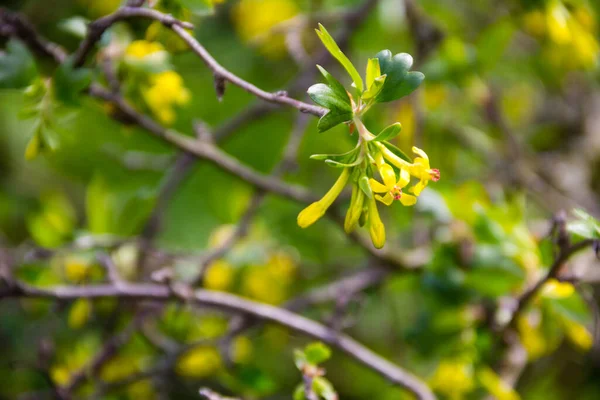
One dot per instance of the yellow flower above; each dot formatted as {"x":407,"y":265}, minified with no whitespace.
{"x":421,"y":169}
{"x":80,"y":313}
{"x":495,"y":386}
{"x":143,"y":48}
{"x":392,"y":188}
{"x":554,"y":289}
{"x":579,"y":336}
{"x":453,"y":379}
{"x":255,"y":19}
{"x":316,"y":210}
{"x":76,"y":269}
{"x":199,"y":362}
{"x":557,"y":18}
{"x":532,"y":338}
{"x":219,"y":275}
{"x":355,"y":210}
{"x":165,"y":91}
{"x":376,"y":227}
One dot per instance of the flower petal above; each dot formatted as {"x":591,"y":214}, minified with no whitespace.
{"x":388,"y":199}
{"x":404,"y":178}
{"x":377,"y":187}
{"x":420,"y":153}
{"x":388,"y":175}
{"x":418,"y":188}
{"x":408,"y":199}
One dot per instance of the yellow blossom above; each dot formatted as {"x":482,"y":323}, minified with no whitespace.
{"x":80,"y":313}
{"x":579,"y":336}
{"x":165,"y":91}
{"x":199,"y":362}
{"x":554,"y":289}
{"x":532,"y":338}
{"x":453,"y":379}
{"x":143,"y":48}
{"x":255,"y":20}
{"x":419,"y":168}
{"x":376,"y":227}
{"x":495,"y":386}
{"x":392,"y":188}
{"x":219,"y":275}
{"x":355,"y":210}
{"x":316,"y":210}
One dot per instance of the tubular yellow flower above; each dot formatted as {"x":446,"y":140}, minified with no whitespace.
{"x":419,"y":168}
{"x":316,"y":210}
{"x":355,"y":209}
{"x":376,"y":227}
{"x":392,"y":188}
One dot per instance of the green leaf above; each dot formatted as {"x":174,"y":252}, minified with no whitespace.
{"x":335,"y":51}
{"x":375,"y":88}
{"x":317,"y":353}
{"x":199,"y":7}
{"x":69,"y":82}
{"x":327,"y":97}
{"x":373,"y":71}
{"x":399,"y":82}
{"x":397,"y":151}
{"x":299,"y":393}
{"x":585,"y":226}
{"x":333,"y":118}
{"x":363,"y":183}
{"x":389,"y":133}
{"x":335,"y":85}
{"x":336,"y":157}
{"x":300,"y":359}
{"x":17,"y":67}
{"x":573,"y":308}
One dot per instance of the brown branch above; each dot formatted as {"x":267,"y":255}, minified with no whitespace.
{"x":230,"y":303}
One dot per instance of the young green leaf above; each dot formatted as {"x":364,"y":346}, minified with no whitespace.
{"x":373,"y":71}
{"x":375,"y":88}
{"x":344,"y":157}
{"x":389,"y":133}
{"x":335,"y":51}
{"x":317,"y":353}
{"x":335,"y":85}
{"x":585,"y":226}
{"x":69,"y":82}
{"x":399,"y":82}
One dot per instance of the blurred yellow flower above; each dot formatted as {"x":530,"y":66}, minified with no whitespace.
{"x":199,"y":362}
{"x":453,"y":379}
{"x":554,"y":289}
{"x":141,"y":390}
{"x":120,"y":367}
{"x":143,"y":48}
{"x":242,"y":349}
{"x":254,"y":20}
{"x":495,"y":386}
{"x":260,"y":285}
{"x":219,"y":276}
{"x":532,"y":338}
{"x":76,"y":269}
{"x":80,"y":313}
{"x":281,"y":266}
{"x":579,"y":335}
{"x":166,"y":90}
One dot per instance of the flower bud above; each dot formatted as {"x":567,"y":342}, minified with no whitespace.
{"x":376,"y":227}
{"x":355,"y":209}
{"x":316,"y":210}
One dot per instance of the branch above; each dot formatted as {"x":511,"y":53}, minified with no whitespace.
{"x":233,"y":304}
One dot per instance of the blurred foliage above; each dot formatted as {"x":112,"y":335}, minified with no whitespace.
{"x":73,"y":170}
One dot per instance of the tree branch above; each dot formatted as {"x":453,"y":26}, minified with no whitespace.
{"x":233,"y":304}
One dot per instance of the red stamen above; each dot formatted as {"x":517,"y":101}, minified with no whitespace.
{"x":435,"y":174}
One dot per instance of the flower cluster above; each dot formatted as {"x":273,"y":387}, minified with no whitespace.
{"x":569,"y":33}
{"x":376,"y":169}
{"x":164,"y":89}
